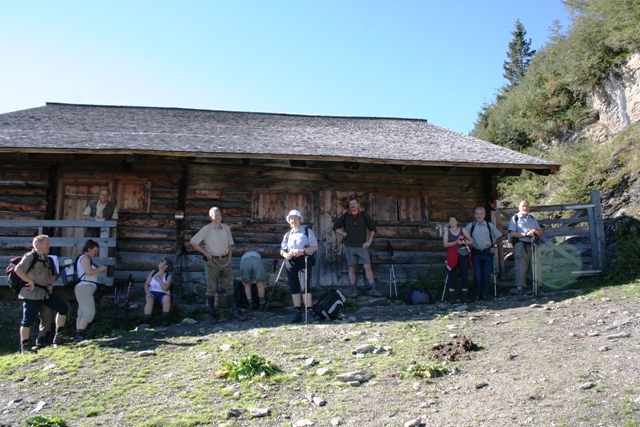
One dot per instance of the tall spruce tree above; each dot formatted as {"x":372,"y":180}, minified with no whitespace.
{"x":519,"y":56}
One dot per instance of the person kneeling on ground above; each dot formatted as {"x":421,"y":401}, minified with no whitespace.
{"x":157,"y":288}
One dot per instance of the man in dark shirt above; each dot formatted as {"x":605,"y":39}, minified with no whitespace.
{"x":357,"y":229}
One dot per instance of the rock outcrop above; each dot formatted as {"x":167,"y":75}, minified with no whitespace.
{"x":617,"y":101}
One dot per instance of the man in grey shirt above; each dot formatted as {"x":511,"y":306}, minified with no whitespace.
{"x":485,"y":243}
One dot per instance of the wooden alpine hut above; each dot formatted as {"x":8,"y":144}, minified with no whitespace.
{"x":166,"y":167}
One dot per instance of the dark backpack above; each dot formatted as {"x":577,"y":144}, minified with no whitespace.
{"x":414,"y":296}
{"x":15,"y":282}
{"x":329,"y":306}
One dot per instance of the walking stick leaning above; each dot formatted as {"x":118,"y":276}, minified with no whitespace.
{"x":444,"y":288}
{"x":274,"y":285}
{"x":392,"y":272}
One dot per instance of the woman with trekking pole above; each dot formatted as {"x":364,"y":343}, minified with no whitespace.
{"x":297,"y":247}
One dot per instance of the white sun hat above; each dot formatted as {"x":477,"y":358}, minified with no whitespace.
{"x":294,"y":213}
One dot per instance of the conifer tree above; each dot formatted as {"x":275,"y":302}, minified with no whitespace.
{"x":519,"y":56}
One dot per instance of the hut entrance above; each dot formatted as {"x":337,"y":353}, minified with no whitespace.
{"x":74,"y":200}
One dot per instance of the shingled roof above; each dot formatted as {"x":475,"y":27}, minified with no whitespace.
{"x":186,"y":132}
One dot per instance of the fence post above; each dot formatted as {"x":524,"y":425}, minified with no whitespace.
{"x":598,"y":225}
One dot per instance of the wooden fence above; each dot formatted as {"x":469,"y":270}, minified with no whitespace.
{"x":562,"y":259}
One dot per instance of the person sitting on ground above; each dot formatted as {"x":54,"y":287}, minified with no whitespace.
{"x":297,"y":247}
{"x":87,"y":273}
{"x":453,"y":239}
{"x":38,"y":292}
{"x":252,"y":268}
{"x":157,"y":288}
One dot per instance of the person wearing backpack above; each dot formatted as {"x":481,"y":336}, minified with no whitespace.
{"x":457,"y":240}
{"x":37,"y":292}
{"x":157,"y":288}
{"x":485,"y":243}
{"x":297,"y":248}
{"x":523,"y":229}
{"x":357,"y":229}
{"x":87,"y":273}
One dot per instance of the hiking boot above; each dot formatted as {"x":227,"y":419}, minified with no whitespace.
{"x":373,"y":293}
{"x":296,"y":317}
{"x":214,"y":317}
{"x":61,"y":338}
{"x":26,"y":348}
{"x":520,"y":295}
{"x":250,"y":306}
{"x":263,"y":307}
{"x":354,"y":292}
{"x":79,"y":339}
{"x":238,"y":316}
{"x":311,"y":316}
{"x":41,"y":342}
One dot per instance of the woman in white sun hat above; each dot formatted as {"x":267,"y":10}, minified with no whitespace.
{"x":297,"y":247}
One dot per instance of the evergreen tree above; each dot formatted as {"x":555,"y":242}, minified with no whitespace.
{"x":519,"y":56}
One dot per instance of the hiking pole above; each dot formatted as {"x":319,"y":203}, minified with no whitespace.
{"x":305,"y":290}
{"x":274,"y":285}
{"x":126,"y":302}
{"x":534,"y":266}
{"x":392,"y":272}
{"x":446,"y":279}
{"x":116,"y":299}
{"x":495,"y":284}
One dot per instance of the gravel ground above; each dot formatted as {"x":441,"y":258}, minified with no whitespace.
{"x":561,"y":360}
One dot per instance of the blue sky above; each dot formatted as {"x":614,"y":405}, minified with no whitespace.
{"x":438,"y":60}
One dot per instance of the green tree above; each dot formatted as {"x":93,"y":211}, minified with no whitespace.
{"x":519,"y":56}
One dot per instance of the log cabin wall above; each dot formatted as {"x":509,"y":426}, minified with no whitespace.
{"x":410,"y":205}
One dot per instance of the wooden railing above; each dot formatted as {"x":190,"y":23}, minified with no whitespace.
{"x":583,"y":258}
{"x":16,"y":237}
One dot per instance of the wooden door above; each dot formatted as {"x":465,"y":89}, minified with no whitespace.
{"x":74,"y":199}
{"x":333,"y":270}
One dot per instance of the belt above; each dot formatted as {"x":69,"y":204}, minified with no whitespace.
{"x":481,"y":250}
{"x":221,"y":256}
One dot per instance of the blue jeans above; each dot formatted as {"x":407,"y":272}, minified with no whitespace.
{"x":482,"y":264}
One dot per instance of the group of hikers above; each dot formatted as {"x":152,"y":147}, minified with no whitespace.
{"x":473,"y":245}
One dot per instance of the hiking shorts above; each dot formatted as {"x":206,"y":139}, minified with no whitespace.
{"x":253,"y":269}
{"x":357,"y":256}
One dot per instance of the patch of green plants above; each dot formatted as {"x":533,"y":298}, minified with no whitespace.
{"x":427,"y":370}
{"x":247,"y":368}
{"x":41,"y":421}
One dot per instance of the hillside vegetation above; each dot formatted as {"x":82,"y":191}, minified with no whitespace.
{"x":543,"y":112}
